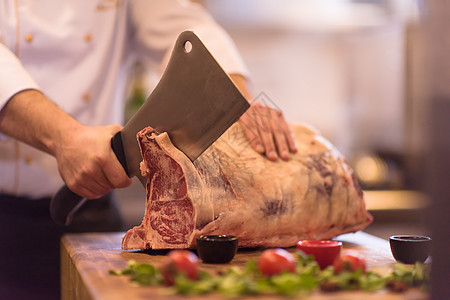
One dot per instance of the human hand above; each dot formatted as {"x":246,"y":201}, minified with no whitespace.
{"x":268,"y":132}
{"x":87,"y":163}
{"x":85,"y":159}
{"x":265,"y":127}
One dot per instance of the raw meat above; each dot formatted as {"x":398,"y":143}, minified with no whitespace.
{"x":231,"y":189}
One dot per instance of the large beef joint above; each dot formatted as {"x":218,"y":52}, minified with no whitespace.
{"x":231,"y":189}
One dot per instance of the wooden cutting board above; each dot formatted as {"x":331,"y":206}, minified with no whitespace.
{"x":87,"y":258}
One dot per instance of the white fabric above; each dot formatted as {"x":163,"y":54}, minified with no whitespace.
{"x":75,"y":52}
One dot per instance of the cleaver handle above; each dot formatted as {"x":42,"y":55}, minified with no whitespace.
{"x":117,"y":147}
{"x":66,"y":203}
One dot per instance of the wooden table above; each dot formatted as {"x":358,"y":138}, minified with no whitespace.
{"x":87,"y":258}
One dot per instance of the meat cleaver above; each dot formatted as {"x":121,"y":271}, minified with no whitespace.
{"x":195,"y":102}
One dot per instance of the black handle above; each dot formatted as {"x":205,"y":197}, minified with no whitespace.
{"x":65,"y":203}
{"x":117,"y":147}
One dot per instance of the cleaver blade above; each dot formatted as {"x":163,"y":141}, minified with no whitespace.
{"x":195,"y":102}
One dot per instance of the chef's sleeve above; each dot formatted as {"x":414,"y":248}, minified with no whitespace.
{"x":157,"y":24}
{"x":13,"y":76}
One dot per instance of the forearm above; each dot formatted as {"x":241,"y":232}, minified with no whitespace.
{"x":31,"y":118}
{"x":85,"y":159}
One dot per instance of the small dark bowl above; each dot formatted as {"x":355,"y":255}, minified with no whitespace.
{"x":410,"y":249}
{"x":217,"y":249}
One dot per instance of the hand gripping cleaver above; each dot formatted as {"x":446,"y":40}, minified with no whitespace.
{"x":195,"y":102}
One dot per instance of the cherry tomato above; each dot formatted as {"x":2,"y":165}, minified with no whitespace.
{"x":349,"y":261}
{"x":179,"y":261}
{"x":275,"y":261}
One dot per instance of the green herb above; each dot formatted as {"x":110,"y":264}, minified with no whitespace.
{"x":235,"y":281}
{"x":404,"y":276}
{"x":142,"y":274}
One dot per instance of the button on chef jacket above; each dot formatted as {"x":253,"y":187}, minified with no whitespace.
{"x":75,"y":52}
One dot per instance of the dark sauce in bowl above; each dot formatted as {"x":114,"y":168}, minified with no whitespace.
{"x":410,"y":249}
{"x":216,"y":249}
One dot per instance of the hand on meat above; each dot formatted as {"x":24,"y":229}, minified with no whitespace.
{"x":265,"y":127}
{"x":268,"y":132}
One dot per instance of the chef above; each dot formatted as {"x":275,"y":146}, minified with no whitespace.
{"x":63,"y":67}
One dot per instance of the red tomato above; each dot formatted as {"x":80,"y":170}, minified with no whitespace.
{"x":349,"y":261}
{"x":176,"y":261}
{"x":275,"y":261}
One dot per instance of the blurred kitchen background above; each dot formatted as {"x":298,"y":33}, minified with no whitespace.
{"x":351,"y":69}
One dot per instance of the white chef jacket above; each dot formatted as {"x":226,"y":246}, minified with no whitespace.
{"x":75,"y":53}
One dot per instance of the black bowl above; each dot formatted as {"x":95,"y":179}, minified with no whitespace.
{"x":216,"y":249}
{"x":410,"y":249}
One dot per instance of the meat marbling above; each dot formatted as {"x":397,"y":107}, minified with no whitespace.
{"x":231,"y":189}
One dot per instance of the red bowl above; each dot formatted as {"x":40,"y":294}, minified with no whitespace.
{"x":324,"y":252}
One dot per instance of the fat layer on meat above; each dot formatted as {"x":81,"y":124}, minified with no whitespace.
{"x":231,"y":189}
